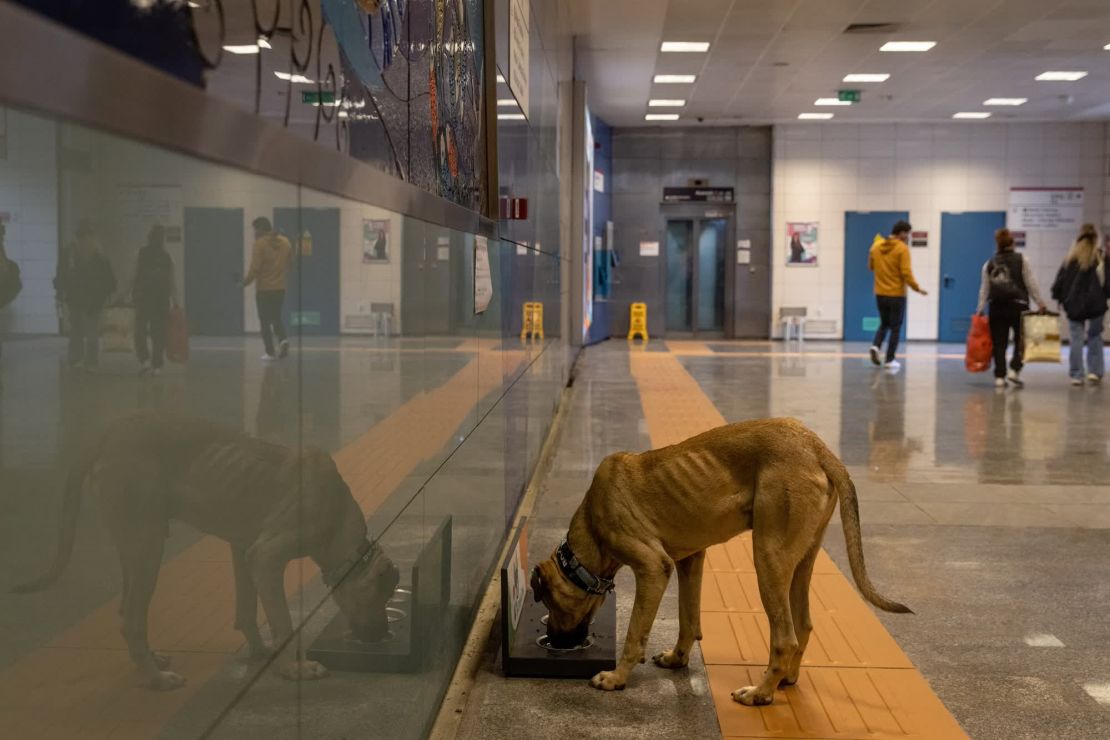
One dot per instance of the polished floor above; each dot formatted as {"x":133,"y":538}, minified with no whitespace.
{"x":986,"y":510}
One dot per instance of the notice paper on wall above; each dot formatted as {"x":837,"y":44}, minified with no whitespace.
{"x":743,"y":256}
{"x":649,"y":249}
{"x":1045,"y":209}
{"x":483,"y":280}
{"x":519,"y":40}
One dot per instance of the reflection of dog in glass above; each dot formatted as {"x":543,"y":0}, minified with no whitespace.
{"x":270,"y":503}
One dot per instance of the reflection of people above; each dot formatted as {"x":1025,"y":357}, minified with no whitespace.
{"x":1007,"y":282}
{"x":152,"y":290}
{"x":889,"y":450}
{"x":889,"y":259}
{"x":1080,"y":287}
{"x":1003,"y":458}
{"x":797,"y":251}
{"x":10,"y":283}
{"x":84,"y":283}
{"x":271,"y":257}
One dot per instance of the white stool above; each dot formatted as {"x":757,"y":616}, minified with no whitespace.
{"x":793,"y":322}
{"x":383,"y":318}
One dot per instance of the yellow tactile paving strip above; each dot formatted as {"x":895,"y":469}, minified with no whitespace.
{"x":82,"y":684}
{"x":856,"y":682}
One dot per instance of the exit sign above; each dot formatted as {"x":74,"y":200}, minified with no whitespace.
{"x":848,"y":96}
{"x":315,"y":97}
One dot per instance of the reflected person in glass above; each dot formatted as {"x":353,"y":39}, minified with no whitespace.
{"x":271,"y":258}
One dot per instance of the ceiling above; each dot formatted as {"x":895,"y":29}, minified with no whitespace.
{"x":769,"y":60}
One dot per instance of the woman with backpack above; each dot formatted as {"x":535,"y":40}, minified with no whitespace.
{"x":1080,"y":287}
{"x":1006,"y":287}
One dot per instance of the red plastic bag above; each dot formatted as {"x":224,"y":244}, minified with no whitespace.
{"x":177,"y":336}
{"x":979,"y":347}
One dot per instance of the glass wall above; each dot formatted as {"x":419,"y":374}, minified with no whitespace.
{"x":195,"y":541}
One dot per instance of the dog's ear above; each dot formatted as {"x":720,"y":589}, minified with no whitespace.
{"x":537,"y":584}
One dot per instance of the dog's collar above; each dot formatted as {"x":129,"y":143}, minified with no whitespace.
{"x":577,"y":574}
{"x":364,"y":554}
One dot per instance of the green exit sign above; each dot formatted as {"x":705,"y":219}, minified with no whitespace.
{"x":315,"y":97}
{"x":848,"y":96}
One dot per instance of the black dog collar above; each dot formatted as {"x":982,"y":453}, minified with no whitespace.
{"x":364,"y":554}
{"x":577,"y":574}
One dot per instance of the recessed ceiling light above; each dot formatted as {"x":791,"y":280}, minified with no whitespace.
{"x":264,"y":43}
{"x":665,"y":103}
{"x":1005,"y":101}
{"x":299,"y":79}
{"x":241,"y":48}
{"x":907,"y":46}
{"x":684,"y":46}
{"x":661,"y":117}
{"x":501,"y":78}
{"x":674,"y":79}
{"x":972,"y":114}
{"x":867,"y":77}
{"x":1061,"y":76}
{"x":1107,"y":47}
{"x":815,"y":116}
{"x":506,"y":102}
{"x":831,"y":101}
{"x":510,"y":116}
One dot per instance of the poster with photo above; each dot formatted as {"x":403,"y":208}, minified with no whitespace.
{"x":801,"y":244}
{"x":375,"y":241}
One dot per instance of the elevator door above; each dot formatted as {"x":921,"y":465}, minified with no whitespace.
{"x":696,"y":250}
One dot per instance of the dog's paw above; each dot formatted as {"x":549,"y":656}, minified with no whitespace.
{"x":750,"y":696}
{"x":303,"y":670}
{"x":671,"y":660}
{"x":166,"y":681}
{"x":607,"y":681}
{"x":789,"y":680}
{"x":162,"y":661}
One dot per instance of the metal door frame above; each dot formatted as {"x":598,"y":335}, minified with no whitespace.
{"x":697,"y":213}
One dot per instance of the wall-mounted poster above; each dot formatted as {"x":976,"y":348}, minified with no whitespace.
{"x":801,"y":240}
{"x":375,"y":240}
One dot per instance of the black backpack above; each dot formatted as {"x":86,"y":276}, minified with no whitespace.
{"x":1086,"y":298}
{"x":1004,"y":288}
{"x":10,"y":283}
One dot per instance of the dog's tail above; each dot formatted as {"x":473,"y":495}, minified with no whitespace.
{"x":849,"y":518}
{"x":67,"y":531}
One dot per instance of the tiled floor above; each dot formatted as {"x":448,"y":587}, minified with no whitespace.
{"x":986,"y":511}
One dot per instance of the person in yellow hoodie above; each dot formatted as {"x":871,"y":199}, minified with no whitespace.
{"x":271,"y":257}
{"x":889,"y":259}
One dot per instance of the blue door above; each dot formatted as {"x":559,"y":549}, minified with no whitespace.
{"x":861,"y":317}
{"x":312,"y":298}
{"x":966,"y":242}
{"x":213,"y":264}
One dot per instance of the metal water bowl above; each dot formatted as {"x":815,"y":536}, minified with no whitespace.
{"x":542,"y":641}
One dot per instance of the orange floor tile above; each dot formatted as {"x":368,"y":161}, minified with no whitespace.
{"x":856,"y":681}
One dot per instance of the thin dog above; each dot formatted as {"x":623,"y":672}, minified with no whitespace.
{"x":658,"y":511}
{"x":270,"y":503}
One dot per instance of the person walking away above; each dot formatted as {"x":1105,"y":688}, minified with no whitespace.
{"x":153,"y":291}
{"x":1080,"y":287}
{"x":84,"y":284}
{"x":10,"y":282}
{"x":271,"y":257}
{"x":889,"y":259}
{"x":1005,"y":287}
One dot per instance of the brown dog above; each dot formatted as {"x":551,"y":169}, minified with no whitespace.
{"x":270,"y":503}
{"x":660,"y":510}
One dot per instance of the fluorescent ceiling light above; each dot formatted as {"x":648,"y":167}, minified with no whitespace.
{"x":907,"y":46}
{"x":510,"y":116}
{"x":1107,"y":47}
{"x":1061,"y":76}
{"x":501,"y":78}
{"x":867,"y":77}
{"x":665,"y":103}
{"x":684,"y":46}
{"x":815,"y":116}
{"x":661,"y":117}
{"x":972,"y":114}
{"x":299,"y":79}
{"x":241,"y":48}
{"x":831,"y":101}
{"x":506,"y":102}
{"x":1005,"y":101}
{"x":263,"y":43}
{"x":674,"y":79}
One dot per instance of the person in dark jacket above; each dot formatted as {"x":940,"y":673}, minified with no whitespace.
{"x":1007,"y":284}
{"x":84,"y":284}
{"x":10,"y":282}
{"x":1080,"y":287}
{"x":153,"y":291}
